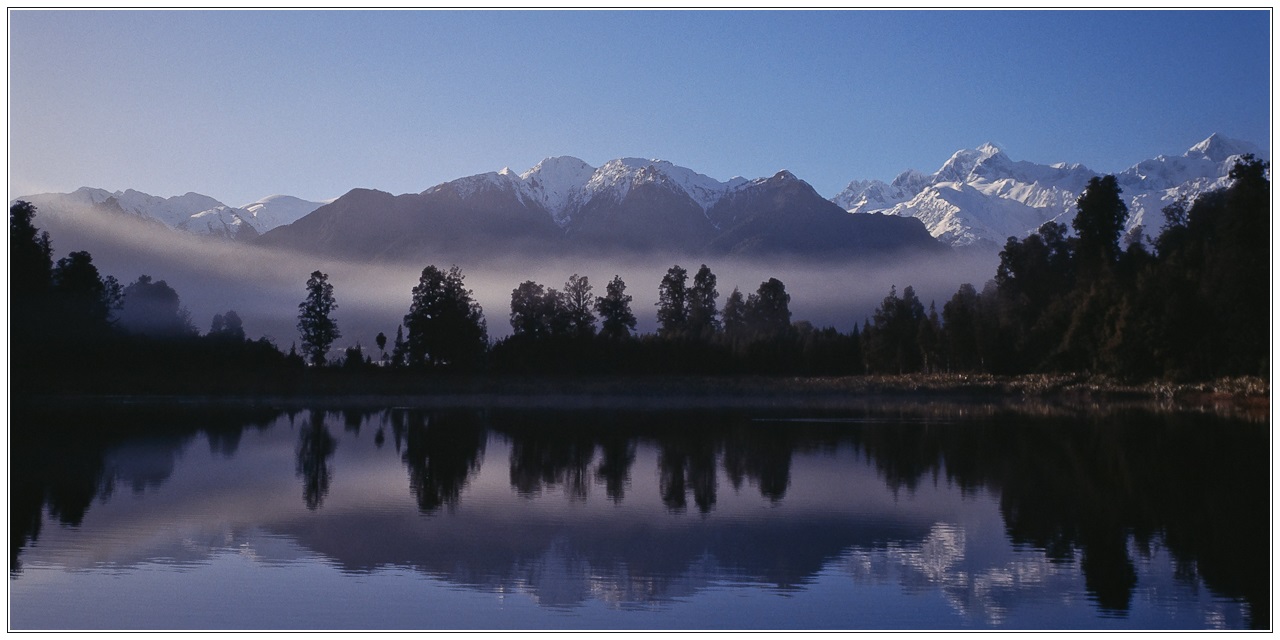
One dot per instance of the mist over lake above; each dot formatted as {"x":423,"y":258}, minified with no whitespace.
{"x":265,"y":286}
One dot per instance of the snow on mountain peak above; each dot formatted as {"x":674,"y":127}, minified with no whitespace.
{"x":277,"y":210}
{"x":988,"y":149}
{"x":961,"y":164}
{"x":911,"y":178}
{"x":555,"y":182}
{"x":1219,"y":148}
{"x":560,"y":185}
{"x":980,"y":195}
{"x":615,"y":178}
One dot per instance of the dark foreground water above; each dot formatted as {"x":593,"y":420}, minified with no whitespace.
{"x":911,"y":517}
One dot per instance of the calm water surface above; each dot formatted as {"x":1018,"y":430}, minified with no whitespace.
{"x":945,"y":517}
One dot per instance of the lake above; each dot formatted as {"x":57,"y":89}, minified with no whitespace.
{"x":905,"y":515}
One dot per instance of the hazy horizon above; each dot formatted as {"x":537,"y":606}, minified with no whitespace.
{"x":265,"y":286}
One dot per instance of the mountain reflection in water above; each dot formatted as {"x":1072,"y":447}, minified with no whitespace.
{"x":640,"y":508}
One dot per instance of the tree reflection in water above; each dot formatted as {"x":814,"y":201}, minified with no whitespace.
{"x":545,"y":456}
{"x":315,"y":446}
{"x":617,"y":454}
{"x":442,"y":451}
{"x":1088,"y":488}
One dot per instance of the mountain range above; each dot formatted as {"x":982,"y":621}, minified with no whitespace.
{"x":981,"y":197}
{"x":192,"y":212}
{"x":565,"y":206}
{"x":562,"y":205}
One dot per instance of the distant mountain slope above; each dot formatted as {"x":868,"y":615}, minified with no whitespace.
{"x":629,"y":205}
{"x":192,"y":212}
{"x":977,"y":198}
{"x":981,"y":197}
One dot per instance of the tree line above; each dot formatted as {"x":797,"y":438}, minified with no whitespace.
{"x":73,"y":328}
{"x":1191,"y":303}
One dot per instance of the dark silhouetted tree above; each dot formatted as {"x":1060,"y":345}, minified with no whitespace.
{"x":960,"y":326}
{"x":1035,"y":279}
{"x":30,"y":254}
{"x":767,"y":312}
{"x":929,"y":340}
{"x":227,"y":327}
{"x":673,"y":307}
{"x":616,"y":320}
{"x":735,"y":315}
{"x":893,"y":338}
{"x":578,"y":302}
{"x":538,"y":311}
{"x":87,"y":297}
{"x":703,"y":323}
{"x":316,"y":325}
{"x":446,"y":325}
{"x":399,"y":350}
{"x":153,"y":308}
{"x":1100,"y":218}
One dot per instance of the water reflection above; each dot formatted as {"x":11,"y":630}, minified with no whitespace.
{"x":315,"y":447}
{"x":1106,"y":498}
{"x":441,"y":454}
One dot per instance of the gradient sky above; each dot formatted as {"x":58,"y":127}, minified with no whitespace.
{"x":239,"y":105}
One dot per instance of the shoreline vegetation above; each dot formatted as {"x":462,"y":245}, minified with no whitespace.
{"x":1247,"y":397}
{"x":1073,"y":320}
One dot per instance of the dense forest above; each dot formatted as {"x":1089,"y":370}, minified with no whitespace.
{"x":1191,"y":303}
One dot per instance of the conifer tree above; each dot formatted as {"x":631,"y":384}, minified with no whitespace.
{"x":578,"y":307}
{"x":316,"y":325}
{"x":673,"y":303}
{"x":616,"y":320}
{"x":702,"y":315}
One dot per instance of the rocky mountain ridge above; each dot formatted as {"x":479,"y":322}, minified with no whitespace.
{"x":980,"y":197}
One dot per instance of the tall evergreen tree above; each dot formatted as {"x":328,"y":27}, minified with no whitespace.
{"x":316,"y":325}
{"x":702,"y":315}
{"x":578,"y":305}
{"x":399,"y":350}
{"x":767,"y":311}
{"x":735,"y":315}
{"x":894,"y":337}
{"x":86,"y":296}
{"x":1100,"y":218}
{"x":673,"y":303}
{"x":30,"y":254}
{"x":616,"y":320}
{"x":960,"y":318}
{"x":929,"y":339}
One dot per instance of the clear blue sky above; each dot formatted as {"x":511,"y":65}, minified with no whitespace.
{"x":239,"y":105}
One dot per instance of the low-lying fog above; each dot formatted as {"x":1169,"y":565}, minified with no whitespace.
{"x":265,"y":287}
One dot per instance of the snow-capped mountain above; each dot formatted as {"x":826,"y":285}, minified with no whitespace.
{"x":192,"y":212}
{"x":981,"y":197}
{"x":563,"y":185}
{"x":626,"y":205}
{"x":278,"y":210}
